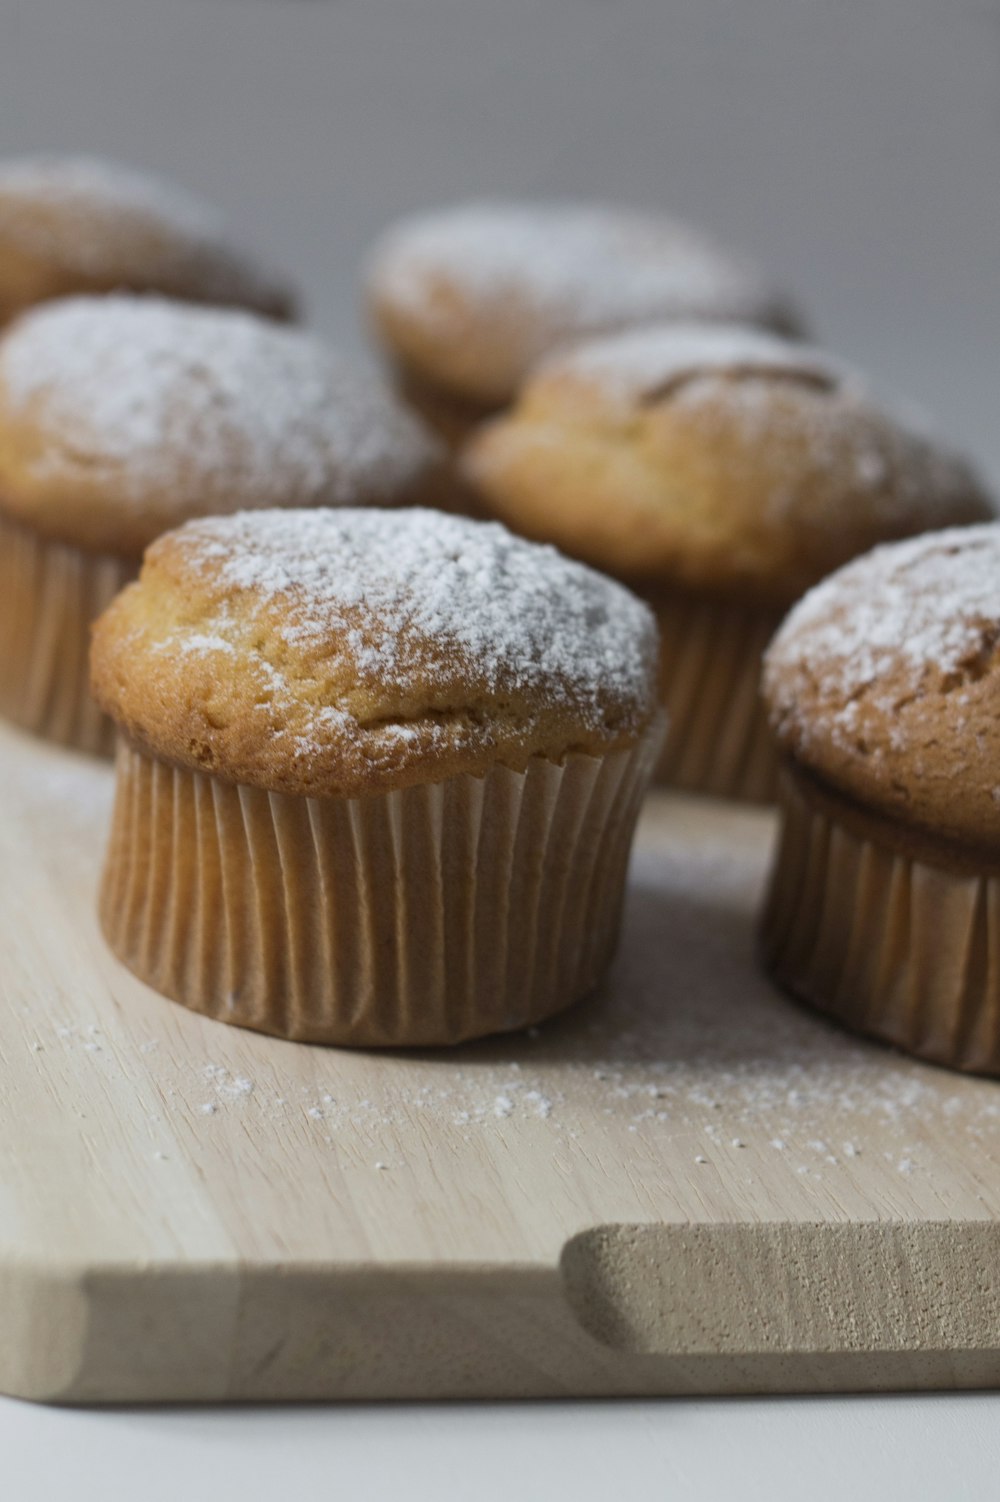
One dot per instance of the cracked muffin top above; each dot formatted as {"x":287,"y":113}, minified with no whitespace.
{"x":470,"y":297}
{"x":121,"y":417}
{"x":721,"y":458}
{"x":79,"y":224}
{"x":349,"y":651}
{"x":884,"y":683}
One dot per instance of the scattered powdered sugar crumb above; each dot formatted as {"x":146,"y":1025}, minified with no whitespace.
{"x":399,"y":593}
{"x":227,"y":1086}
{"x":503,"y":1106}
{"x":571,"y":267}
{"x":689,"y":1048}
{"x":215,"y":402}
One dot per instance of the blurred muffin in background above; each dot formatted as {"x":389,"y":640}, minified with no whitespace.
{"x":466,"y":300}
{"x":78,"y":224}
{"x":722,"y":471}
{"x":121,"y":417}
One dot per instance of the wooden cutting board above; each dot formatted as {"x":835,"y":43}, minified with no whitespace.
{"x":686,"y":1185}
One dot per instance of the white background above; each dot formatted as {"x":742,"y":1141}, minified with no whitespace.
{"x":942,"y":1449}
{"x":854,"y":148}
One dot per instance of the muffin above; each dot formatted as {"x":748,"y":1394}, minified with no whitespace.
{"x":377,"y":775}
{"x":121,"y":417}
{"x":721,"y":471}
{"x":466,"y":300}
{"x":884,"y":692}
{"x":74,"y":224}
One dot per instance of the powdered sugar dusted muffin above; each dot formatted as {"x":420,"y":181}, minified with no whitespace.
{"x":723,"y":471}
{"x":121,"y":417}
{"x":378,"y":773}
{"x":884,"y":692}
{"x":78,"y":224}
{"x":466,"y":300}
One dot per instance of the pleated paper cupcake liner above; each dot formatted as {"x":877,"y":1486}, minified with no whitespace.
{"x":888,"y":942}
{"x":718,"y":741}
{"x":50,"y":593}
{"x":425,"y":915}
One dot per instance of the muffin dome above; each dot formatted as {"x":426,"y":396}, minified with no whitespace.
{"x":723,"y":458}
{"x":470,"y":298}
{"x":884,"y":682}
{"x":121,"y":417}
{"x":343,"y":652}
{"x":75,"y":224}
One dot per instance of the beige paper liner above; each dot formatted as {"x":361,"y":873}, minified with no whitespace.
{"x":886,"y":941}
{"x":718,"y":741}
{"x":50,"y":593}
{"x":424,"y":915}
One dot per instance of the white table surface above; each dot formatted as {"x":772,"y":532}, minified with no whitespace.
{"x":854,"y":148}
{"x":923,"y":1449}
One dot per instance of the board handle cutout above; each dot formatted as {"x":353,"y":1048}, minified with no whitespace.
{"x":685,"y":1290}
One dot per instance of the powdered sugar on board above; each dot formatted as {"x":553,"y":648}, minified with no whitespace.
{"x":225,"y":408}
{"x":576,"y":267}
{"x":687,"y":1063}
{"x":928,"y":605}
{"x":416,"y":597}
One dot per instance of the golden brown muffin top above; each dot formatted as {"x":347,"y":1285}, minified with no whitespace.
{"x":121,"y":417}
{"x":722,"y":458}
{"x":884,"y":682}
{"x":78,"y":224}
{"x":471,"y":297}
{"x":344,"y":652}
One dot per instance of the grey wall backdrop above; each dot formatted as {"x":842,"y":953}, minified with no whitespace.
{"x":855,"y":147}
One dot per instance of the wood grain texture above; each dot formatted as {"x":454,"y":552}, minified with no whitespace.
{"x":688,"y":1184}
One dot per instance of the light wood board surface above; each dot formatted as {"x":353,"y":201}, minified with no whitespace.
{"x":688,"y":1184}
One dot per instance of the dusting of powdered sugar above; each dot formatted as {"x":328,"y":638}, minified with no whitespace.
{"x":414,"y":592}
{"x":105,"y":220}
{"x":885,"y":452}
{"x":577,"y":267}
{"x":92,"y":186}
{"x":633,"y":366}
{"x":224,"y":406}
{"x":930,"y":605}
